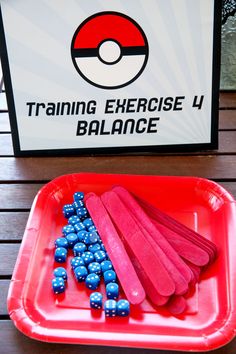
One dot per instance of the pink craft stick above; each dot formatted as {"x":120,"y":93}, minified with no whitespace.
{"x":179,"y":228}
{"x":196,"y":271}
{"x":181,"y":285}
{"x":151,"y":292}
{"x":153,"y":295}
{"x":185,"y":248}
{"x":166,"y":219}
{"x":137,"y":241}
{"x":177,"y":305}
{"x":126,"y":273}
{"x":179,"y":267}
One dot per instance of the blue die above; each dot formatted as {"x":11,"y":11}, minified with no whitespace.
{"x":94,"y":238}
{"x":60,"y":272}
{"x":106,"y":265}
{"x":87,"y":257}
{"x":92,"y":281}
{"x":78,"y":196}
{"x":58,"y":285}
{"x":87,"y":239}
{"x":72,"y":239}
{"x":112,"y":291}
{"x":82,"y":235}
{"x":68,"y":229}
{"x":92,"y":228}
{"x":82,"y":212}
{"x":90,"y":238}
{"x":109,"y":276}
{"x":96,"y":300}
{"x":68,"y":210}
{"x":81,"y":273}
{"x":61,"y":242}
{"x":94,"y":247}
{"x":123,"y":308}
{"x":73,"y":220}
{"x":100,"y":256}
{"x":94,"y":267}
{"x":110,"y":308}
{"x":76,"y":262}
{"x":78,"y":204}
{"x":79,"y":227}
{"x":102,"y":247}
{"x":60,"y":254}
{"x":88,"y":222}
{"x":79,"y":249}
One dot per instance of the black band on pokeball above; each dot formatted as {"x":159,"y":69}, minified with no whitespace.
{"x":93,"y":52}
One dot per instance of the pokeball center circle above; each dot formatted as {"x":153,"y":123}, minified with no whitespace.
{"x":109,"y":52}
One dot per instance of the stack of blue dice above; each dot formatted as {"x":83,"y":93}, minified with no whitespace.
{"x":90,"y":262}
{"x":119,"y":308}
{"x":59,"y":280}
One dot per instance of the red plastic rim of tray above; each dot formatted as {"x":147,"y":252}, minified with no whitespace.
{"x":210,"y":319}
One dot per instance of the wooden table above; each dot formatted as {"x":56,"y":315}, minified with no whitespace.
{"x":21,"y":178}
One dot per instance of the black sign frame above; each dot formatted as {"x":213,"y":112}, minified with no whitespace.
{"x":122,"y":149}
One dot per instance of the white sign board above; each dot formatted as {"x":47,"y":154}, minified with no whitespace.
{"x":111,"y":75}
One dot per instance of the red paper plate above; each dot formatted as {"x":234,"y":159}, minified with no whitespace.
{"x":210,"y":319}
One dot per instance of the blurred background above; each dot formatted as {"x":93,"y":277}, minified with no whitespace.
{"x":228,"y":46}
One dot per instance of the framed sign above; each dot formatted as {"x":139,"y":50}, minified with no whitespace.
{"x":111,"y":76}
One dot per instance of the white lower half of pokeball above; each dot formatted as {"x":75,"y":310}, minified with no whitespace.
{"x":114,"y":75}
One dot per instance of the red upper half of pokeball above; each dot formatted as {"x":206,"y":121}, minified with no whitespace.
{"x":108,"y":26}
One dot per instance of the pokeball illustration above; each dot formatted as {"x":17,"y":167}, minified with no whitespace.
{"x":109,"y":50}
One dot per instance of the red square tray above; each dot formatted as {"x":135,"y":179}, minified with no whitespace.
{"x":210,"y":319}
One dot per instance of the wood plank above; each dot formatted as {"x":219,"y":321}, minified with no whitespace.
{"x":227,"y":119}
{"x":230,"y":187}
{"x":8,"y":255}
{"x":227,"y":142}
{"x":4,"y":122}
{"x":12,"y":225}
{"x":47,"y":168}
{"x":16,"y":343}
{"x":4,"y":285}
{"x":227,"y":100}
{"x":18,"y":196}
